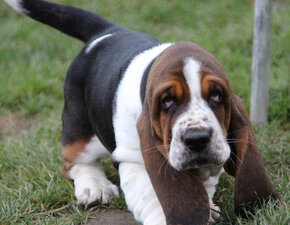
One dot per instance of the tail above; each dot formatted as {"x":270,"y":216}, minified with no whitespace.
{"x":75,"y":22}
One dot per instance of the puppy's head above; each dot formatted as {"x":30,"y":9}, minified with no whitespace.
{"x":189,"y":113}
{"x":189,"y":105}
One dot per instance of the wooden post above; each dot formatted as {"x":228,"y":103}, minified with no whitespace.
{"x":261,"y":61}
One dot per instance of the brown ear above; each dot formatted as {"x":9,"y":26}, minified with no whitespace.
{"x":252,"y":183}
{"x":182,"y":195}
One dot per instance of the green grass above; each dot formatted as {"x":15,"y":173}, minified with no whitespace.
{"x":33,"y":63}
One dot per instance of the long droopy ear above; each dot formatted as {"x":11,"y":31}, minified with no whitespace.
{"x":252,"y":183}
{"x":183,"y":197}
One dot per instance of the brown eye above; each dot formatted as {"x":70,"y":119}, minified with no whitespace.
{"x":167,"y":103}
{"x":215,"y":97}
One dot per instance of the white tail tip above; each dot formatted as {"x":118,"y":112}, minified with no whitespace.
{"x":17,"y":5}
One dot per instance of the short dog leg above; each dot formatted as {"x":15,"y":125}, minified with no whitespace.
{"x":91,"y":184}
{"x":210,"y":185}
{"x":90,"y":181}
{"x":136,"y":185}
{"x":214,"y":212}
{"x":140,"y":195}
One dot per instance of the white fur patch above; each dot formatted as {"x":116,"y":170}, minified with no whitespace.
{"x":191,"y":74}
{"x":128,"y":103}
{"x":140,"y":196}
{"x":210,"y":180}
{"x":93,"y":150}
{"x":96,"y":41}
{"x":17,"y":5}
{"x":197,"y":115}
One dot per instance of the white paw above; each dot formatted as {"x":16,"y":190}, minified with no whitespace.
{"x":91,"y":184}
{"x":89,"y":190}
{"x":214,"y":213}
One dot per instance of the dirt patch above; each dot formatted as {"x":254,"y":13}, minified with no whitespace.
{"x":113,"y":217}
{"x":14,"y":124}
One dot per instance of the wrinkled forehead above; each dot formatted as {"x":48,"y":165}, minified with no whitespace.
{"x":185,"y":62}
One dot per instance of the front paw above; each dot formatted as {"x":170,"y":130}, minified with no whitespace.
{"x":89,"y":191}
{"x":214,"y":214}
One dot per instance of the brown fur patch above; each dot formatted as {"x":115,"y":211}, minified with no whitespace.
{"x":209,"y":82}
{"x":174,"y":86}
{"x":252,"y":183}
{"x":66,"y":168}
{"x":70,"y":152}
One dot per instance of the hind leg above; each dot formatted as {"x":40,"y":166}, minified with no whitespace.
{"x":82,"y":151}
{"x":90,"y":181}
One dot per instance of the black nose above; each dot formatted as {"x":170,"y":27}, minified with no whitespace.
{"x":197,"y":139}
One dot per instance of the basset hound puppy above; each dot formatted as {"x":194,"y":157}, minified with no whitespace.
{"x":166,"y":113}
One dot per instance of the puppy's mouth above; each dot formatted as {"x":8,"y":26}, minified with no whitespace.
{"x":201,"y":163}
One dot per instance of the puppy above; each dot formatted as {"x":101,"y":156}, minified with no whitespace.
{"x":163,"y":110}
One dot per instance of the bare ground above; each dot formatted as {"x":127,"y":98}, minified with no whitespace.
{"x":14,"y":124}
{"x":113,"y":217}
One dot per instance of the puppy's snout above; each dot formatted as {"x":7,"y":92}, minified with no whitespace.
{"x":197,"y":139}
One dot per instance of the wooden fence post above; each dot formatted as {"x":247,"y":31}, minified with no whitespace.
{"x":261,"y":61}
